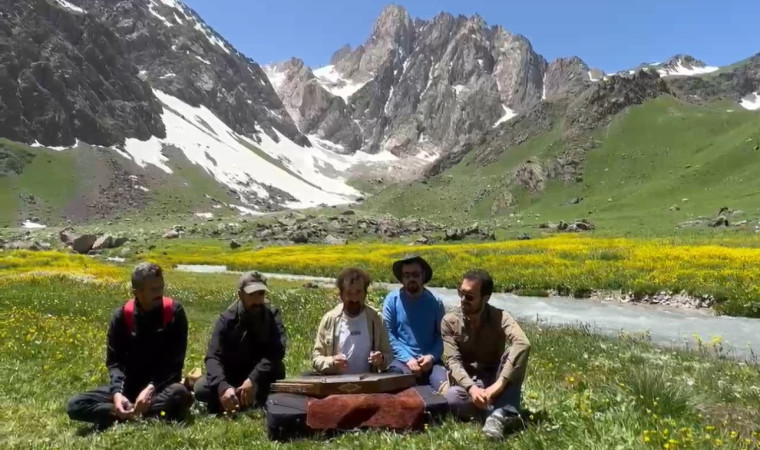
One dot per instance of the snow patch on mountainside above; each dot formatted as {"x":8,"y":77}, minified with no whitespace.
{"x":28,"y":224}
{"x":70,"y":6}
{"x":334,"y":83}
{"x":172,"y":4}
{"x":276,"y":77}
{"x":58,"y":149}
{"x":508,"y":114}
{"x":751,"y":101}
{"x":240,"y":163}
{"x":211,"y":37}
{"x":686,"y":71}
{"x":163,"y":19}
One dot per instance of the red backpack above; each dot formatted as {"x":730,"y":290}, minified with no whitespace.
{"x":129,"y":314}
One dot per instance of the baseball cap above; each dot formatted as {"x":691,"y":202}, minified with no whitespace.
{"x":251,"y":282}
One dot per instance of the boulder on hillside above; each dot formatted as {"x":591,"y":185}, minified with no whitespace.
{"x":83,"y":244}
{"x":299,"y":237}
{"x":234,"y":244}
{"x":332,"y":240}
{"x":119,"y":241}
{"x":103,"y":242}
{"x":67,"y":236}
{"x":171,"y":234}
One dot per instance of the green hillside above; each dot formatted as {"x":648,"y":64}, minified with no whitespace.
{"x":57,"y":186}
{"x":46,"y":175}
{"x":653,"y":156}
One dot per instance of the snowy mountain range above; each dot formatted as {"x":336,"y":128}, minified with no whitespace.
{"x":149,"y":82}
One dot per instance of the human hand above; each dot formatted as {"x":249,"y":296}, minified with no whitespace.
{"x":414,"y":366}
{"x":144,"y":400}
{"x":479,"y":397}
{"x":247,"y":392}
{"x":425,"y":362}
{"x":495,"y":389}
{"x":340,"y":361}
{"x":376,"y":358}
{"x":229,"y":400}
{"x":124,"y":409}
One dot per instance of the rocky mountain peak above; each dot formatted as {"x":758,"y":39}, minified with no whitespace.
{"x":340,"y":54}
{"x":392,"y":37}
{"x":566,"y":78}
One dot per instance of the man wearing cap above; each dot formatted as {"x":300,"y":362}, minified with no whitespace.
{"x":246,"y":351}
{"x":412,"y":314}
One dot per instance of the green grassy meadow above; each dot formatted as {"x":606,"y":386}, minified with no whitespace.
{"x":653,"y":156}
{"x":584,"y":391}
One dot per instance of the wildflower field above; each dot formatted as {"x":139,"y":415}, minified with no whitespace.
{"x":567,"y":264}
{"x":583,"y":390}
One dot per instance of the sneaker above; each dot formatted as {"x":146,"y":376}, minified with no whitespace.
{"x":494,"y":426}
{"x":498,"y":422}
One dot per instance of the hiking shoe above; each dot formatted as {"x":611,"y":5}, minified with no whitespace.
{"x":497,"y":422}
{"x":494,"y":426}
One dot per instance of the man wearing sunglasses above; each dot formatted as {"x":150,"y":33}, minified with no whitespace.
{"x":486,"y":353}
{"x":412,"y":314}
{"x":246,"y":351}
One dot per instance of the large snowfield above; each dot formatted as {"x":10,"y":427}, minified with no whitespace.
{"x":209,"y":143}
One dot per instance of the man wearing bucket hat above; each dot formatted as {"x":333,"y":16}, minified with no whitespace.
{"x":246,"y":351}
{"x":412,"y":314}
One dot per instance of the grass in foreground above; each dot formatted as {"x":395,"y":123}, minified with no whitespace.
{"x":585,"y":391}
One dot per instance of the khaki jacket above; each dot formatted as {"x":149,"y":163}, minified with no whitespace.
{"x":498,"y":346}
{"x":327,"y":340}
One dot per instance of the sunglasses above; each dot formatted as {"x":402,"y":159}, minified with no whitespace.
{"x":411,"y":275}
{"x":465,"y":295}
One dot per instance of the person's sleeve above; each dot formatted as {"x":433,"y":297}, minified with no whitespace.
{"x":115,"y":352}
{"x":215,"y":374}
{"x":452,"y":357}
{"x":274,"y":351}
{"x":170,"y":371}
{"x":400,"y":351}
{"x":321,"y":361}
{"x":437,"y":350}
{"x":385,"y":346}
{"x":517,"y":361}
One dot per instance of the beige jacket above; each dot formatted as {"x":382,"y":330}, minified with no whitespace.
{"x":327,"y":340}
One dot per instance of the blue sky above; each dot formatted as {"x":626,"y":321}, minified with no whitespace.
{"x":608,"y":34}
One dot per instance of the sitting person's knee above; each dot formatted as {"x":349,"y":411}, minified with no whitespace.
{"x":73,"y":407}
{"x":180,"y":395}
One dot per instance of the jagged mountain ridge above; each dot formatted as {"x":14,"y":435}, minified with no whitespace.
{"x":147,"y":79}
{"x":441,"y":84}
{"x":142,"y":76}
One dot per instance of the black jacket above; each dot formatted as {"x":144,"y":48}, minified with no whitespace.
{"x":151,"y":355}
{"x":242,"y":349}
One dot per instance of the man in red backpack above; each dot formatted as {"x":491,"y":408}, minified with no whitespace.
{"x":147,"y":342}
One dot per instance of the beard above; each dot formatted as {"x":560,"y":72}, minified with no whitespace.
{"x":470,"y":308}
{"x":413,"y":287}
{"x":353,"y":309}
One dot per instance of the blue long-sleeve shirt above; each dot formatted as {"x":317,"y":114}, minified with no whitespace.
{"x":414,"y":325}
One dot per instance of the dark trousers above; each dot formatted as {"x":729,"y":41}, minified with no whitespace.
{"x":172,"y":403}
{"x":435,"y":377}
{"x":509,"y":401}
{"x":209,"y":394}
